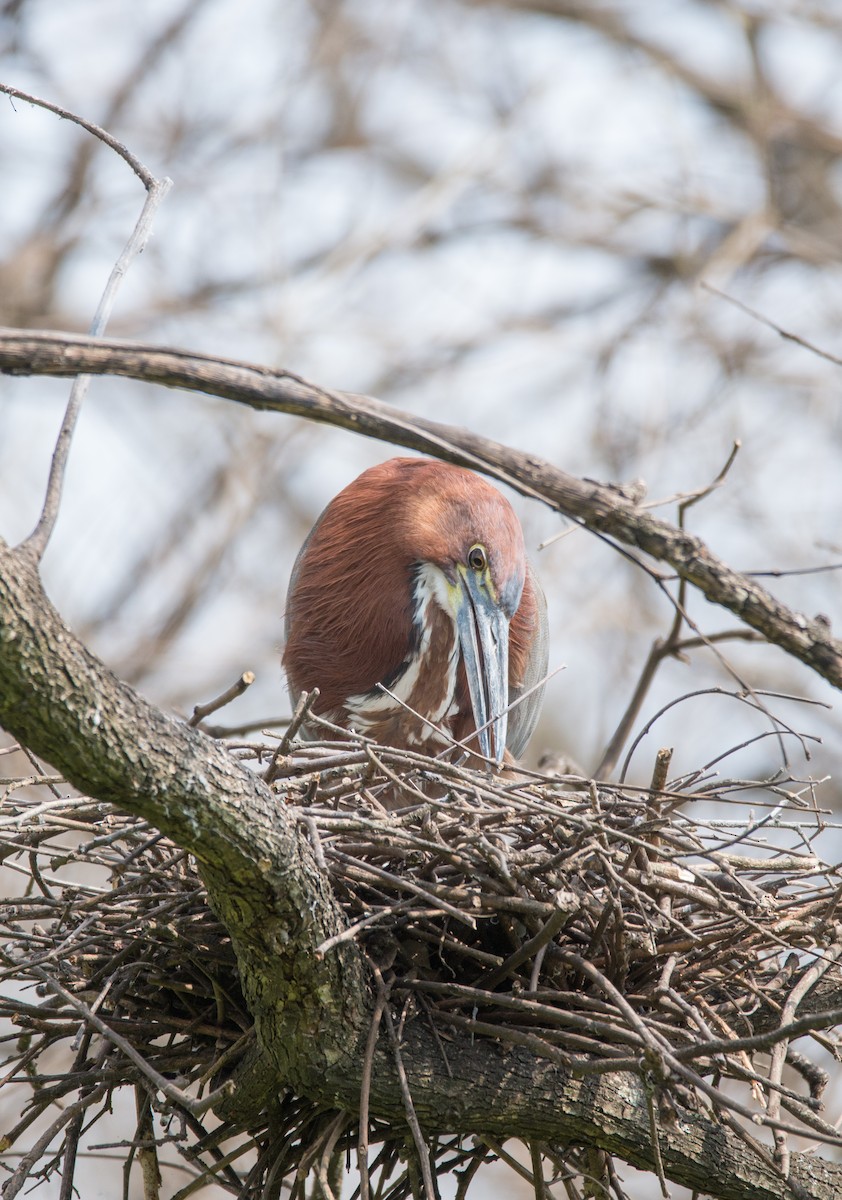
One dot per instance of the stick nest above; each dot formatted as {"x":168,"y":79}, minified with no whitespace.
{"x":653,"y":930}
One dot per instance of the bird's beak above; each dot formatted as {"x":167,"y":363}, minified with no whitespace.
{"x":483,"y":630}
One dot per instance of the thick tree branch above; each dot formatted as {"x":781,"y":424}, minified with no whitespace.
{"x":260,"y":871}
{"x":312,"y":1014}
{"x":599,"y":508}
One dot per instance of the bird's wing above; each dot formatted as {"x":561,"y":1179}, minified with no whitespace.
{"x":524,"y":718}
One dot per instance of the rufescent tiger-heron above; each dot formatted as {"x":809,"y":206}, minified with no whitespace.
{"x":413,"y":609}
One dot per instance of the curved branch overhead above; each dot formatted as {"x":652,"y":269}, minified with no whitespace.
{"x":600,"y":508}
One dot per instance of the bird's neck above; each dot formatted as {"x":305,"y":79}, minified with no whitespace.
{"x":426,"y":683}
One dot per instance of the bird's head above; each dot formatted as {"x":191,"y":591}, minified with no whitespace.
{"x":469,"y":541}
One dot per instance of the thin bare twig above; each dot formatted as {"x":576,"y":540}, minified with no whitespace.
{"x":409,"y":1106}
{"x":786,"y":334}
{"x":365,"y":1093}
{"x":201,"y":711}
{"x":156,"y":190}
{"x":672,"y":646}
{"x":173,"y":1093}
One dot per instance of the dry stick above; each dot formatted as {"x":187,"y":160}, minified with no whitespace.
{"x":711,"y":691}
{"x":435,"y":902}
{"x":797,"y":1029}
{"x":234,"y":731}
{"x":365,"y":1094}
{"x":147,"y":1151}
{"x":201,"y":711}
{"x":36,"y":543}
{"x":539,"y":1183}
{"x":659,"y":777}
{"x":221,"y":1166}
{"x":173,"y":1093}
{"x":409,"y":1107}
{"x":335,"y":1131}
{"x":302,"y":710}
{"x":662,"y":1051}
{"x":156,"y":190}
{"x":13,"y":1185}
{"x":781,"y":332}
{"x":661,"y":648}
{"x":144,"y":175}
{"x":654,"y":809}
{"x":601,"y":509}
{"x":681,"y":614}
{"x":808,"y":980}
{"x":538,"y":1046}
{"x":233,"y":1051}
{"x":509,"y":1160}
{"x":402,"y":784}
{"x":71,"y":1147}
{"x":655,"y":1139}
{"x":348,"y":935}
{"x":564,"y":910}
{"x":466,"y":1178}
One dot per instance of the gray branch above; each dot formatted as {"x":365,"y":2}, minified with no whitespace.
{"x":599,"y":508}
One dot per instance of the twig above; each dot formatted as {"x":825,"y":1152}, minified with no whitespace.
{"x":711,"y":691}
{"x":36,"y":543}
{"x":786,"y":334}
{"x":435,"y":902}
{"x":173,"y":1093}
{"x":335,"y":1131}
{"x":672,"y":646}
{"x":16,"y":1181}
{"x":365,"y":1093}
{"x":147,"y":1151}
{"x":201,"y":711}
{"x":156,"y":189}
{"x":144,"y":175}
{"x":565,"y":904}
{"x":302,"y":710}
{"x":656,"y":1143}
{"x":779,"y":1051}
{"x":538,"y":1182}
{"x":659,"y":775}
{"x":409,"y":1107}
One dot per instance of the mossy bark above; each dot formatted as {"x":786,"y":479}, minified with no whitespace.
{"x":313,"y":1013}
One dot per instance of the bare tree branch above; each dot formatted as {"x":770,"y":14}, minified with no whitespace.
{"x":786,"y":334}
{"x":156,"y":190}
{"x":601,"y":509}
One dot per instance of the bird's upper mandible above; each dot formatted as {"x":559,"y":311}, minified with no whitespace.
{"x":415,"y":578}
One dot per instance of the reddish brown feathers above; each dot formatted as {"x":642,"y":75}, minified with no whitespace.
{"x":350,"y":607}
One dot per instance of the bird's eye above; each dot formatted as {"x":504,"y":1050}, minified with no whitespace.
{"x":477,"y":560}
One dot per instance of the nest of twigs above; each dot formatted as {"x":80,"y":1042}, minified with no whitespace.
{"x":609,"y":928}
